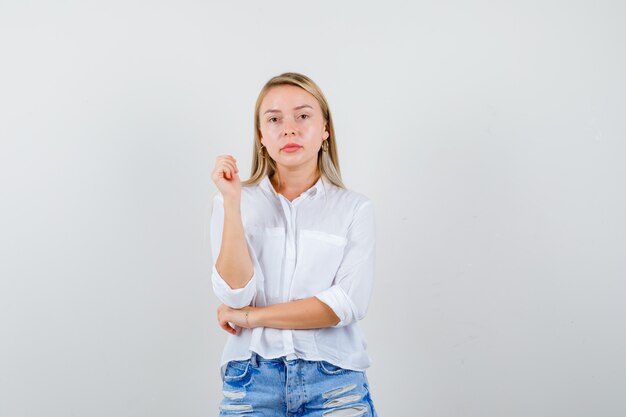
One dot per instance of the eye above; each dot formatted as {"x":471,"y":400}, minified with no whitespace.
{"x":272,"y":119}
{"x":305,"y":116}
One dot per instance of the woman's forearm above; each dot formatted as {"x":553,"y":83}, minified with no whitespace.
{"x":308,"y":313}
{"x":234,"y":263}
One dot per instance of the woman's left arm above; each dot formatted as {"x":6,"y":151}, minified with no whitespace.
{"x":308,"y":313}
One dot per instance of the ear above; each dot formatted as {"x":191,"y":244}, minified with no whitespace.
{"x":326,"y":135}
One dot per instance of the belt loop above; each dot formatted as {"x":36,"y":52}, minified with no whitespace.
{"x":253,"y":360}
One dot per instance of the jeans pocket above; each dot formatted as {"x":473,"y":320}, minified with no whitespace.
{"x":237,"y":370}
{"x":328,"y":368}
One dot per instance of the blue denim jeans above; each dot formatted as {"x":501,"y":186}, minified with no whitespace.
{"x":280,"y":387}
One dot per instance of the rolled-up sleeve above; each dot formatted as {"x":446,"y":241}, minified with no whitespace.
{"x":352,"y":286}
{"x":235,"y":298}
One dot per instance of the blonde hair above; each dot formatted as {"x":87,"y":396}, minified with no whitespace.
{"x":327,"y":161}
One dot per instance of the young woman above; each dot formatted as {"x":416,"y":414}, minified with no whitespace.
{"x":293,"y":253}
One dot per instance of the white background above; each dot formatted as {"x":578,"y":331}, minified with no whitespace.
{"x":490,"y":135}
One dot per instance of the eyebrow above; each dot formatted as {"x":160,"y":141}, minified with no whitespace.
{"x":295,"y":108}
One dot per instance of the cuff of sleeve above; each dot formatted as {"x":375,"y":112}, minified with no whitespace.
{"x":336,"y":298}
{"x":235,"y":298}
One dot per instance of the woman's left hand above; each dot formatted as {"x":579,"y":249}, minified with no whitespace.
{"x":228,"y":316}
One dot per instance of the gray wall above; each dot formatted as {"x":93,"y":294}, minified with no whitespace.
{"x":490,"y":136}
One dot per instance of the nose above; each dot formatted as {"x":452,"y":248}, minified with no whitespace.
{"x":288,"y":128}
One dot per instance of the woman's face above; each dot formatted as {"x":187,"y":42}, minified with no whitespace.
{"x":290,"y":115}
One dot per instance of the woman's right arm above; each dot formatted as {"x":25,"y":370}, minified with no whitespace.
{"x":234,"y":263}
{"x":233,"y":274}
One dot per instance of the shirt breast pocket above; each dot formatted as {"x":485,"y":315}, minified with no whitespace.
{"x":319,"y":257}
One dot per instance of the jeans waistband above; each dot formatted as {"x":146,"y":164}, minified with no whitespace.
{"x":255,"y":359}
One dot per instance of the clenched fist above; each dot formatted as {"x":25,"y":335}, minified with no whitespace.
{"x":225,"y":176}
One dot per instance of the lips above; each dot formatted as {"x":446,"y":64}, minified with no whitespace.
{"x":291,"y":147}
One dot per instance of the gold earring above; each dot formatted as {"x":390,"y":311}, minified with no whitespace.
{"x":261,"y":151}
{"x":325,"y":145}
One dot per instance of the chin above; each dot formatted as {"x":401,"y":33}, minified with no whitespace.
{"x":291,"y":160}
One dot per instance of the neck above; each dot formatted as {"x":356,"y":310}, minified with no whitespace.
{"x":294,"y":183}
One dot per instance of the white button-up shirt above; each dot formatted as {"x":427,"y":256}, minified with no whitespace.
{"x":320,"y":244}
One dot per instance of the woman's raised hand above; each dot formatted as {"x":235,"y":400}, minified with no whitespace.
{"x":225,"y":176}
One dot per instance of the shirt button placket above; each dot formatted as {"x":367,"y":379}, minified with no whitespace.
{"x":290,"y":259}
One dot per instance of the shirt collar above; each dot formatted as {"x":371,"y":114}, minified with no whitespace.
{"x":318,"y":189}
